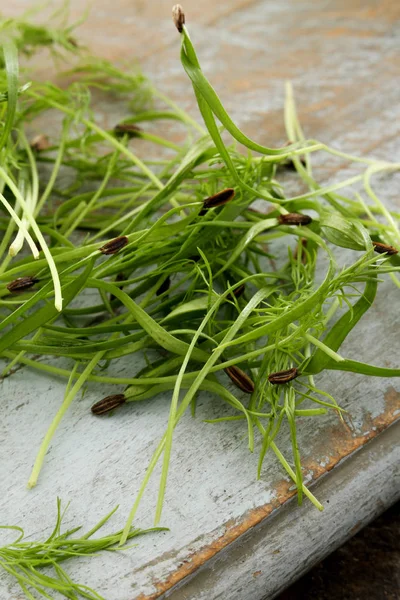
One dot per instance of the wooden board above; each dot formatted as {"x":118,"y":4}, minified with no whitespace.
{"x":342,"y":58}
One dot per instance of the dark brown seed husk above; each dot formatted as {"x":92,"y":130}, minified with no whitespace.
{"x":239,"y":291}
{"x":21,"y":283}
{"x":294,"y":219}
{"x":128,"y":129}
{"x":40,"y":142}
{"x":240,"y":379}
{"x":164,"y":286}
{"x":114,"y":245}
{"x":73,"y":42}
{"x":283,"y":376}
{"x":289,"y":164}
{"x":108,"y":403}
{"x":178,"y":17}
{"x":384,"y":248}
{"x":218,"y":199}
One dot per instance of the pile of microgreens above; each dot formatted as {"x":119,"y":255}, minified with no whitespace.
{"x":175,"y":256}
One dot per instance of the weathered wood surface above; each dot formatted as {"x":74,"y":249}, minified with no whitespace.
{"x":342,"y":58}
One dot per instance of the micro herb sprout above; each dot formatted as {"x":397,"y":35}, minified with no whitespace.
{"x":36,"y":565}
{"x":166,"y":253}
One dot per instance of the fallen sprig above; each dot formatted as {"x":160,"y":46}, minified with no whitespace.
{"x":36,"y":565}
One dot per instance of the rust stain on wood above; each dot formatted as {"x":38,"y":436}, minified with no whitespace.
{"x":340,"y":442}
{"x":347,"y":31}
{"x":233,"y":530}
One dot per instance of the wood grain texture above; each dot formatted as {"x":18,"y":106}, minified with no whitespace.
{"x":288,"y":543}
{"x":342,"y":58}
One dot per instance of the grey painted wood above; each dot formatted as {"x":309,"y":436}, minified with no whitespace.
{"x":264,"y":561}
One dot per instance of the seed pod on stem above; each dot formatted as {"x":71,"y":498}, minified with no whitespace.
{"x":115,"y":245}
{"x":73,"y":42}
{"x":289,"y":163}
{"x":240,"y":379}
{"x":218,"y":199}
{"x":178,"y":17}
{"x":384,"y":248}
{"x":128,"y":129}
{"x":40,"y":142}
{"x":283,"y":376}
{"x":108,"y":403}
{"x":21,"y":283}
{"x":239,"y":291}
{"x":294,"y":219}
{"x":164,"y":286}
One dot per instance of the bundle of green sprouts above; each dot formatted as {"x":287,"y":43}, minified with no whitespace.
{"x":175,"y":257}
{"x":25,"y":559}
